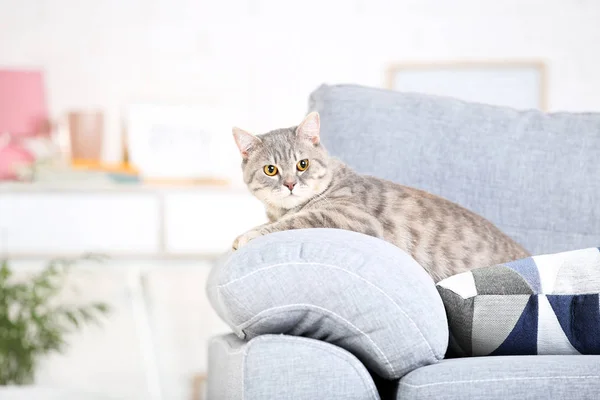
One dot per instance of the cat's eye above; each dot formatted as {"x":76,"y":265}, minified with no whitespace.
{"x":302,"y":165}
{"x":270,"y":170}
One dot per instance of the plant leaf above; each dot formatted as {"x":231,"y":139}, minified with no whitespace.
{"x":72,"y":318}
{"x":102,"y":308}
{"x":33,"y":322}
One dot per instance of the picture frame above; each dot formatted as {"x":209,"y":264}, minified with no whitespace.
{"x":517,"y":84}
{"x":179,"y":144}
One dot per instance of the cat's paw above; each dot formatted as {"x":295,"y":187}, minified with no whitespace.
{"x":243,"y":239}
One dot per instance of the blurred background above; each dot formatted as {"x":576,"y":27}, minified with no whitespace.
{"x":115,"y":138}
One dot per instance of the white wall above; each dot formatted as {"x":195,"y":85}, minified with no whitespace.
{"x":259,"y":59}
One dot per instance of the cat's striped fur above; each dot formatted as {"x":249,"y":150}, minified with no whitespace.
{"x":442,"y":236}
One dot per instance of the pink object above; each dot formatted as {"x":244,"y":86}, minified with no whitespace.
{"x":23,"y":110}
{"x":23,"y":114}
{"x":11,"y":157}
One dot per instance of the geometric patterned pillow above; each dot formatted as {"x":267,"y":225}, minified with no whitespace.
{"x":539,"y":305}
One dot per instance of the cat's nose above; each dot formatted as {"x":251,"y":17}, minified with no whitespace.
{"x":289,"y":185}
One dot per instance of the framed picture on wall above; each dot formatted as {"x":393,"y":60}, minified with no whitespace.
{"x":519,"y":84}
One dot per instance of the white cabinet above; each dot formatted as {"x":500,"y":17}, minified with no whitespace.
{"x":131,"y":222}
{"x":73,"y":223}
{"x":208,"y":222}
{"x":155,"y":339}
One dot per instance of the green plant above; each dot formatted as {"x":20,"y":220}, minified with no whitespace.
{"x":33,"y":322}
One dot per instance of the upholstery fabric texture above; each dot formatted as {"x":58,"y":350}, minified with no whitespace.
{"x":530,"y":173}
{"x":352,"y":290}
{"x":360,"y":302}
{"x":544,"y":304}
{"x":285,"y":367}
{"x":508,"y":377}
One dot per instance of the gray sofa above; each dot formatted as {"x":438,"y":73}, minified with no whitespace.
{"x":331,"y":314}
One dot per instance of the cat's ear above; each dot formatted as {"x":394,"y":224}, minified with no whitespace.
{"x":310,"y":128}
{"x":245,"y":141}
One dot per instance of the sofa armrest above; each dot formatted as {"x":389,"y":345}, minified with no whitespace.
{"x":284,"y":367}
{"x":355,"y":291}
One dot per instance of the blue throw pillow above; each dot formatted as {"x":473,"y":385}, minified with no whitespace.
{"x":544,"y":304}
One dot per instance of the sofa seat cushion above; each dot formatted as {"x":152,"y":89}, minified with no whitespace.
{"x":539,"y":305}
{"x":357,"y":292}
{"x":285,"y":367}
{"x":509,"y":377}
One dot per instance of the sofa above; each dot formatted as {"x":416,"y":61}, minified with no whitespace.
{"x":333,"y":314}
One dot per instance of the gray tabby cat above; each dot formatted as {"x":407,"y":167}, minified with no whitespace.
{"x":303,"y":187}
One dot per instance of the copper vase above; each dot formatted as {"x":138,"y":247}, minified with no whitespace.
{"x":86,"y":130}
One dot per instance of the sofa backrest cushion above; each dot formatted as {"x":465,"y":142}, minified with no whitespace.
{"x":534,"y":175}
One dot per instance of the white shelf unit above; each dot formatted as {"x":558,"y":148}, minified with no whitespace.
{"x":41,"y":222}
{"x":161,"y":244}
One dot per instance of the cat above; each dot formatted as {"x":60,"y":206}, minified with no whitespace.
{"x":301,"y":186}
